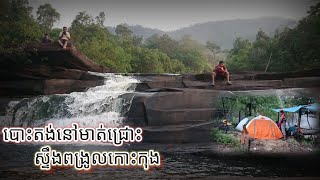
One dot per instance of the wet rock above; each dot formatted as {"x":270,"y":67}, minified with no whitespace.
{"x":44,"y":87}
{"x":137,"y":114}
{"x":142,"y":87}
{"x":45,"y":72}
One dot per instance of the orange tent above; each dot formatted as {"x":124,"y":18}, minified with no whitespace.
{"x":262,"y":127}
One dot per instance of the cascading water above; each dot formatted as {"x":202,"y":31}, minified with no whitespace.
{"x":98,"y":104}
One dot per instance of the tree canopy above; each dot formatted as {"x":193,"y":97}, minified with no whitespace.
{"x":287,"y":50}
{"x":47,"y":16}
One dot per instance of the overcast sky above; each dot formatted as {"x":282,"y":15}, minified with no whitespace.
{"x":173,"y":14}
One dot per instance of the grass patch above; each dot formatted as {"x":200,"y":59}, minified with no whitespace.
{"x":309,"y":142}
{"x":225,"y":139}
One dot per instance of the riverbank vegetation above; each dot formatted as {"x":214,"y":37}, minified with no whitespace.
{"x":224,"y":139}
{"x":259,"y":105}
{"x":287,"y":50}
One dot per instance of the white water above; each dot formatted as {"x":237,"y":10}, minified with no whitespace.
{"x":98,"y":104}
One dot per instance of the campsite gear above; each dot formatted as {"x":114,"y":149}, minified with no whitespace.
{"x":225,"y":121}
{"x":262,"y":127}
{"x":292,"y":130}
{"x":225,"y":126}
{"x":242,"y":122}
{"x":307,"y":123}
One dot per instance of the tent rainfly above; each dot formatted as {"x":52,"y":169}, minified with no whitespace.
{"x":262,"y":127}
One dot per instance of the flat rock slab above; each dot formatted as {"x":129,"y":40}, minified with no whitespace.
{"x":236,"y":85}
{"x":186,"y":133}
{"x":69,"y":58}
{"x":219,"y":85}
{"x":45,"y":72}
{"x":302,"y":82}
{"x":256,"y":75}
{"x":44,"y":87}
{"x":178,"y":127}
{"x":164,"y":84}
{"x":173,"y":108}
{"x":180,"y":116}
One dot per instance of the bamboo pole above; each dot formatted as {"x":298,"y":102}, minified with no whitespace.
{"x":268,"y":63}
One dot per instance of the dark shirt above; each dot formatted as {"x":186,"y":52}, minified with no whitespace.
{"x":46,"y":40}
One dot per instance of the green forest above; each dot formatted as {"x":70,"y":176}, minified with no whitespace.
{"x":261,"y":105}
{"x":287,"y":50}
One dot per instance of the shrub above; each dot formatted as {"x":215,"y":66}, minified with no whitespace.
{"x":225,"y":139}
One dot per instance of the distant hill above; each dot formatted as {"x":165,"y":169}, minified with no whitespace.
{"x":140,"y":30}
{"x":221,"y":32}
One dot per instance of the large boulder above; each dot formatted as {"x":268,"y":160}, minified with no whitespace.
{"x":36,"y":72}
{"x":52,"y":55}
{"x":47,"y":69}
{"x":136,"y":115}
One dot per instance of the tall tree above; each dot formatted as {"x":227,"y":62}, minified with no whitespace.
{"x":261,"y":51}
{"x":17,"y":23}
{"x":213,"y":47}
{"x":122,"y":30}
{"x":82,"y":18}
{"x":98,"y":43}
{"x":47,"y":16}
{"x":300,"y":46}
{"x":100,"y":19}
{"x":239,"y":55}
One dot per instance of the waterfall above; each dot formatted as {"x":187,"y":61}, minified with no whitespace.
{"x":106,"y":104}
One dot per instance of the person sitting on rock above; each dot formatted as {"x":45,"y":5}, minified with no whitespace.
{"x":220,"y":70}
{"x":46,"y":39}
{"x":64,"y":37}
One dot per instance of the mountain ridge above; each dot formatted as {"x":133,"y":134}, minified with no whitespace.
{"x":222,"y":32}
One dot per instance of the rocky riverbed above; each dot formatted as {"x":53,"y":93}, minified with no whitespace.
{"x":176,"y":112}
